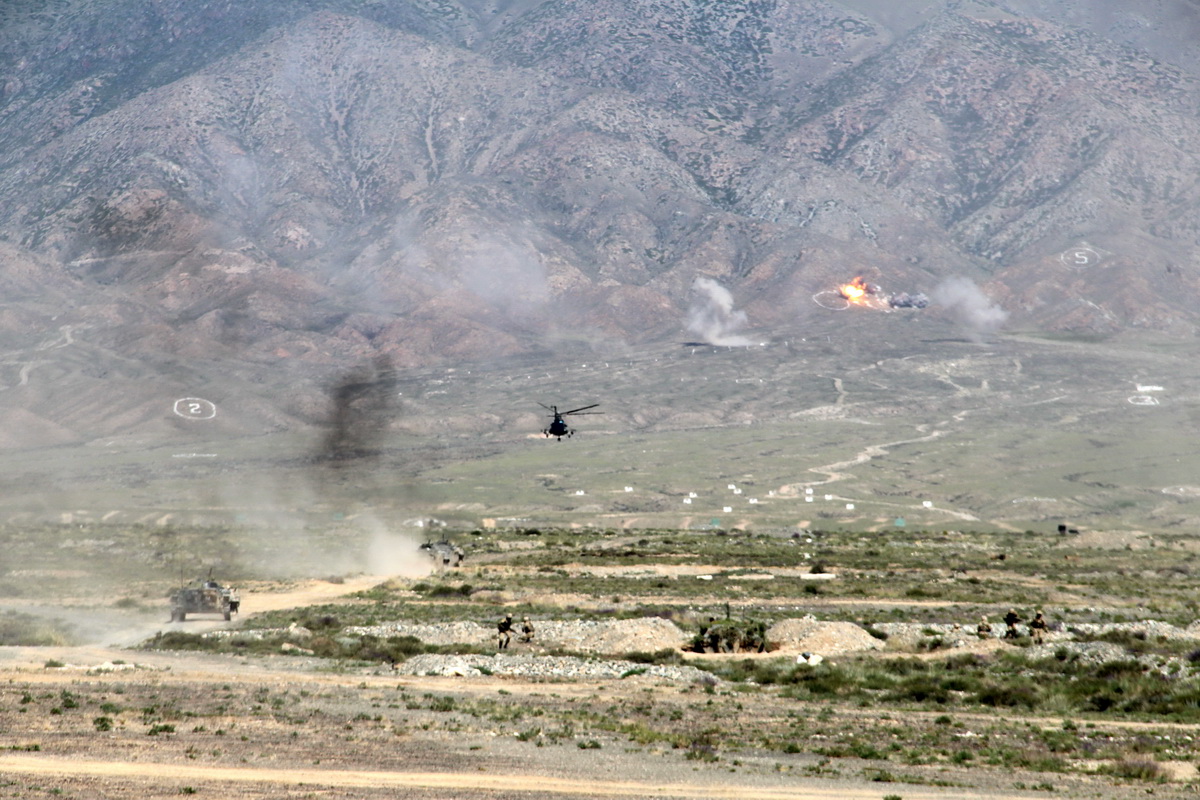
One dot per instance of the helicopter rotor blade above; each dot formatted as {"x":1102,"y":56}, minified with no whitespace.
{"x":551,"y":409}
{"x":585,"y":408}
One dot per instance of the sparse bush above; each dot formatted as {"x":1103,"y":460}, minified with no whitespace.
{"x":919,"y":689}
{"x":1008,"y":696}
{"x":1135,"y":769}
{"x":444,"y":590}
{"x":731,"y":636}
{"x":664,"y":657}
{"x":323,"y":622}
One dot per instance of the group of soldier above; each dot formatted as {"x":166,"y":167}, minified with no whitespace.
{"x":1037,"y":626}
{"x":1037,"y":629}
{"x":505,"y":631}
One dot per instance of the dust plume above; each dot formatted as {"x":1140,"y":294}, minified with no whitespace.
{"x":970,"y":306}
{"x":712,"y":317}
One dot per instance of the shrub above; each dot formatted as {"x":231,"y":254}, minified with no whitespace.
{"x":1007,"y":696}
{"x":664,"y":657}
{"x":1135,"y":769}
{"x":443,"y":590}
{"x":919,"y":689}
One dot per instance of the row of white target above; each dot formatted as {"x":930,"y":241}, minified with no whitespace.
{"x":809,"y":497}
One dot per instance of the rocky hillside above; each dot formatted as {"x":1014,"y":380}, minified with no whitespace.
{"x":277,"y":193}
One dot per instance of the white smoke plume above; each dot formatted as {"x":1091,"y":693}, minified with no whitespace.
{"x":712,"y":317}
{"x":970,"y":307}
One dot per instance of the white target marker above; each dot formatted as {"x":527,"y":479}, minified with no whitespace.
{"x":1080,"y":257}
{"x":195,"y":408}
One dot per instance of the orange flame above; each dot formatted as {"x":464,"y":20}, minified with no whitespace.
{"x":855,"y":291}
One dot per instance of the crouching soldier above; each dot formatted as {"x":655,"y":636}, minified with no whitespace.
{"x":526,"y":630}
{"x":1037,"y":628}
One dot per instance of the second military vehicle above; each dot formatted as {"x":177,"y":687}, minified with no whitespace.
{"x":204,"y":597}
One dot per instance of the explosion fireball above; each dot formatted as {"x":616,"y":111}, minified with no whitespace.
{"x":857,"y":290}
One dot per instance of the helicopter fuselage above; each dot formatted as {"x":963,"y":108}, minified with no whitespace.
{"x":558,"y":426}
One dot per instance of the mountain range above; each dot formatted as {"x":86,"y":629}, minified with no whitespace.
{"x":267,"y":199}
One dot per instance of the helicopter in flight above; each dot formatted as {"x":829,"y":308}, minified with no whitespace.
{"x":558,"y":427}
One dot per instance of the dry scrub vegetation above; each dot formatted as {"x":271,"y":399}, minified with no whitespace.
{"x":767,"y":663}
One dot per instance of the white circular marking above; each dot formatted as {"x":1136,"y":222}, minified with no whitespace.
{"x":831,"y":300}
{"x":195,"y":408}
{"x":1080,"y":257}
{"x":1143,"y":400}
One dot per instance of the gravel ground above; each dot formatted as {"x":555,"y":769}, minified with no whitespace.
{"x":808,"y":635}
{"x":549,"y":668}
{"x":912,"y":635}
{"x":645,"y":635}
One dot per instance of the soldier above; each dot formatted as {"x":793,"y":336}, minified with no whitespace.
{"x":1037,"y":627}
{"x":712,"y":636}
{"x":505,"y":631}
{"x":1010,"y":621}
{"x":526,"y":630}
{"x":984,"y":629}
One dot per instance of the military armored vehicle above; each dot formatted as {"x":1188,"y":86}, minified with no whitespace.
{"x":204,"y":597}
{"x":443,"y":554}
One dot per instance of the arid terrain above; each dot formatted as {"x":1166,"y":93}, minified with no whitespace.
{"x":317,"y":691}
{"x":289,"y":287}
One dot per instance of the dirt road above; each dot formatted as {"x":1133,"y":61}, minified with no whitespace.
{"x":491,"y":784}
